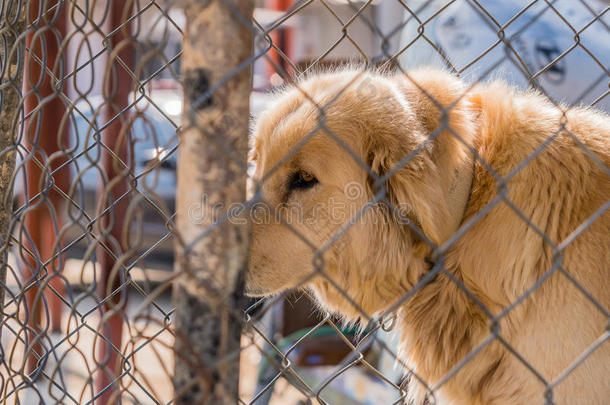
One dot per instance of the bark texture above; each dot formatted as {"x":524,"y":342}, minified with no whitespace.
{"x":212,"y":246}
{"x":12,"y":24}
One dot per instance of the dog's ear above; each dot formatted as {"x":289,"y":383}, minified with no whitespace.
{"x":413,"y":187}
{"x":434,"y":183}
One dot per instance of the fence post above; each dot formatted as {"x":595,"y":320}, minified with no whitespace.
{"x":43,"y":129}
{"x":118,"y":85}
{"x":12,"y":24}
{"x":211,"y":249}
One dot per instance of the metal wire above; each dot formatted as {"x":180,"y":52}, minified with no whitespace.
{"x":89,"y":247}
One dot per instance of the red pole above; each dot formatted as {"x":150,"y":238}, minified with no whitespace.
{"x":117,"y":88}
{"x":42,"y":136}
{"x":288,"y":32}
{"x":281,"y":37}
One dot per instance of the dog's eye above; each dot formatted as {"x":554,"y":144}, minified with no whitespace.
{"x":302,"y":180}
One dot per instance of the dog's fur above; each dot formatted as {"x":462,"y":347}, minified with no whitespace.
{"x":529,"y":206}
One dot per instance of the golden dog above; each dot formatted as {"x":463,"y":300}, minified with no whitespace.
{"x":503,"y":296}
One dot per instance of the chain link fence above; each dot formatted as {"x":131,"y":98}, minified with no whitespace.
{"x":123,"y":269}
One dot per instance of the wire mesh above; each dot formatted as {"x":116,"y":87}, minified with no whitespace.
{"x":92,"y":100}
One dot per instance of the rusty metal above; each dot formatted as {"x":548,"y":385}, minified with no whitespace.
{"x":114,"y":195}
{"x":44,"y":108}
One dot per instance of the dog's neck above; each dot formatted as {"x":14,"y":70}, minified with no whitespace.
{"x":459,"y":192}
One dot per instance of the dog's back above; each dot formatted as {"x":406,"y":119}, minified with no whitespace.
{"x":552,"y":227}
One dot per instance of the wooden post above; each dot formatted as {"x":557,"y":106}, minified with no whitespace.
{"x":211,"y":249}
{"x":12,"y":23}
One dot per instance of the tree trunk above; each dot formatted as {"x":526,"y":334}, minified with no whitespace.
{"x":12,"y":24}
{"x":212,"y":246}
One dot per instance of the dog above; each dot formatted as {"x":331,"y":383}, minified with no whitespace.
{"x":476,"y":214}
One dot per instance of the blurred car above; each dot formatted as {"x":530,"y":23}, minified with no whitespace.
{"x":542,"y":43}
{"x":153,"y":132}
{"x":154,"y":143}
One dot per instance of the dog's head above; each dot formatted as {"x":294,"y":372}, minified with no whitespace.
{"x":355,"y":185}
